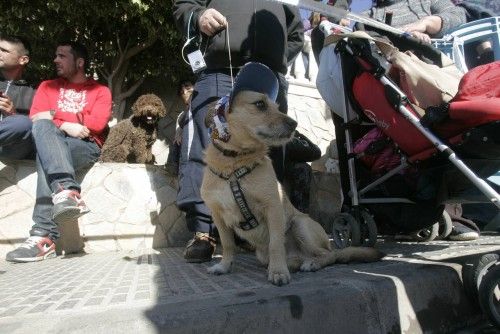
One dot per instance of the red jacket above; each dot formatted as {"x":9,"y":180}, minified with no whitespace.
{"x":87,"y":103}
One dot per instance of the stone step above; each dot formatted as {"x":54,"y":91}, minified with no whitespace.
{"x":132,"y":206}
{"x":417,"y":288}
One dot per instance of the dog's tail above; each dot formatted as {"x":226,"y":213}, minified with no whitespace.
{"x":350,"y":254}
{"x":357,"y":254}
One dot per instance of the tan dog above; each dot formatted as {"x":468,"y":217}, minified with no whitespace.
{"x":285,"y":239}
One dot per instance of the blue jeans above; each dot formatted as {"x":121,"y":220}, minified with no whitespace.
{"x":15,"y":137}
{"x":58,"y":157}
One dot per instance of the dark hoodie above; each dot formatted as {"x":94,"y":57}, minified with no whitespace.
{"x":259,"y":30}
{"x":20,"y":93}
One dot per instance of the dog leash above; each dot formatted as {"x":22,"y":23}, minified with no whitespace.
{"x":250,"y":220}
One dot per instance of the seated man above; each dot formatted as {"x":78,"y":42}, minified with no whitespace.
{"x":422,"y":19}
{"x":15,"y":99}
{"x":70,"y":117}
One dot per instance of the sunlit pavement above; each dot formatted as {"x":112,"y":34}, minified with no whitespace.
{"x":416,"y":288}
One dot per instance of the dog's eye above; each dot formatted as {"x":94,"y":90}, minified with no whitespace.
{"x":261,"y":105}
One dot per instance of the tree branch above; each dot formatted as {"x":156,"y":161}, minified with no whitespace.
{"x":142,"y":46}
{"x":131,"y":90}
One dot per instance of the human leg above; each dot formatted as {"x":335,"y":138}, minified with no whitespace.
{"x":208,"y":88}
{"x":172,"y":164}
{"x":15,"y":137}
{"x":81,"y":154}
{"x":40,"y":245}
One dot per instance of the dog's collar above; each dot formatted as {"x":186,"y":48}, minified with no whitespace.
{"x":231,"y":153}
{"x":250,"y":220}
{"x":236,"y":174}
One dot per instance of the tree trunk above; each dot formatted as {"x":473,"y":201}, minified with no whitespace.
{"x":117,"y":76}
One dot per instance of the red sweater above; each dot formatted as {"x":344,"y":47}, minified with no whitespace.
{"x":87,"y":103}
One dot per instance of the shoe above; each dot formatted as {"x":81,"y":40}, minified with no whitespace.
{"x":460,"y":232}
{"x":200,"y":248}
{"x":68,"y":206}
{"x":33,"y":249}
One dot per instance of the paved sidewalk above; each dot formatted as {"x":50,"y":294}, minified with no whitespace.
{"x":416,"y":288}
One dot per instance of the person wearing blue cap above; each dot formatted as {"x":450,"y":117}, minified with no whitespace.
{"x":230,"y":37}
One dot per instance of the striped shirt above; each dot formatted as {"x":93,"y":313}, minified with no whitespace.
{"x":409,"y":11}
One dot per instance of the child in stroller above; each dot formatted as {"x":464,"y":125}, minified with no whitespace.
{"x":394,"y":156}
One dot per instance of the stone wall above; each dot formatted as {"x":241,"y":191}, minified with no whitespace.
{"x":133,"y":206}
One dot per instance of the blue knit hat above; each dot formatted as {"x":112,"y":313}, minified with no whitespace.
{"x":256,"y":77}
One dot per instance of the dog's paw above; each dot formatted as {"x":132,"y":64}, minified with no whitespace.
{"x":279,"y":277}
{"x":219,"y":269}
{"x":310,"y":265}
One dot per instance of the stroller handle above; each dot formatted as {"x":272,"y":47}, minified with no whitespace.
{"x":406,"y":42}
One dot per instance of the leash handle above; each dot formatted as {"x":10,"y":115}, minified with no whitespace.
{"x":229,"y":54}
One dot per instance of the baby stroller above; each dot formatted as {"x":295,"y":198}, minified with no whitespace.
{"x":400,"y":163}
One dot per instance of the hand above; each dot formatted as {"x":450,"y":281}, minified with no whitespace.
{"x":6,"y":105}
{"x":75,"y":130}
{"x":344,"y":22}
{"x":211,"y":22}
{"x":419,"y":26}
{"x":42,"y":115}
{"x":423,"y":37}
{"x":429,"y":25}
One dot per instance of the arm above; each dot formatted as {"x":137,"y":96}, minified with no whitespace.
{"x":182,"y":10}
{"x":445,"y":16}
{"x":341,"y":4}
{"x":295,"y":29}
{"x":451,"y":16}
{"x":41,"y":101}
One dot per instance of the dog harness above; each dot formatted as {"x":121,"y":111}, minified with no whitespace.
{"x":250,"y":220}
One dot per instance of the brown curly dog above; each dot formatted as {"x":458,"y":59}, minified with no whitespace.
{"x":131,"y":139}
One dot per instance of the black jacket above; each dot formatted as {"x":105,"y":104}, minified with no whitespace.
{"x":20,"y":93}
{"x":259,"y":30}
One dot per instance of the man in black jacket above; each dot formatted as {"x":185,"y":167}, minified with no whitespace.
{"x":15,"y":99}
{"x":231,"y":33}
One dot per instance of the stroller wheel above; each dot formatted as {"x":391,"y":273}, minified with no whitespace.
{"x":474,"y":271}
{"x":489,"y":294}
{"x":345,"y":231}
{"x":426,"y":234}
{"x":445,"y":226}
{"x":368,"y":229}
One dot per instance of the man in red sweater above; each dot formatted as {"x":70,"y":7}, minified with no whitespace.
{"x":70,"y":117}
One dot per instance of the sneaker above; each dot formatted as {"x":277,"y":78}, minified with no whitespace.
{"x":200,"y":248}
{"x":33,"y":249}
{"x":68,"y":206}
{"x":460,"y":232}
